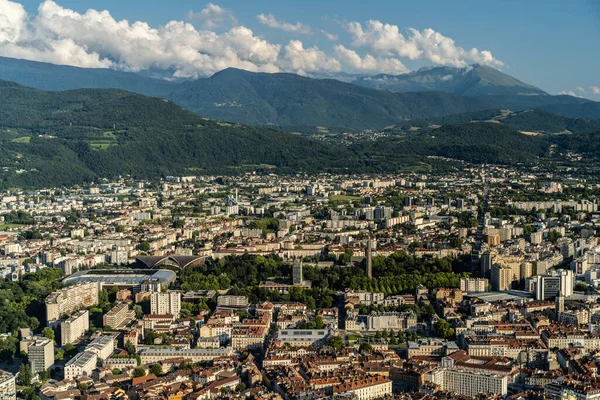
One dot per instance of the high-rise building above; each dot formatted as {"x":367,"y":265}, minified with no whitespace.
{"x":41,"y":355}
{"x":297,"y":278}
{"x":74,"y":327}
{"x":501,"y":277}
{"x":168,"y":303}
{"x":560,"y":304}
{"x":369,"y":256}
{"x":550,"y":285}
{"x":70,"y":299}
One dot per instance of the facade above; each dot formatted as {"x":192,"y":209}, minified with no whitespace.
{"x":118,"y":316}
{"x":149,"y":356}
{"x":302,"y":337}
{"x":232,"y":301}
{"x":468,"y":383}
{"x":168,"y":303}
{"x":474,"y":285}
{"x":374,"y":387}
{"x":41,"y":355}
{"x":102,"y":346}
{"x":297,"y":277}
{"x":391,"y":320}
{"x":81,"y":365}
{"x":74,"y":327}
{"x":8,"y":388}
{"x":501,"y":277}
{"x":70,"y":299}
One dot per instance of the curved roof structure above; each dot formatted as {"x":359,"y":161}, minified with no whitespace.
{"x":173,"y":261}
{"x":121,"y":277}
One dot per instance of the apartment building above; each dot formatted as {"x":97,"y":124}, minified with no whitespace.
{"x":468,"y":383}
{"x":431,"y":347}
{"x":474,"y":285}
{"x":102,"y":346}
{"x":232,"y":302}
{"x":165,"y":303}
{"x":8,"y":388}
{"x":74,"y":327}
{"x":373,"y":387}
{"x":248,"y":337}
{"x":302,"y":337}
{"x":70,"y":299}
{"x":81,"y":365}
{"x":119,"y":316}
{"x":154,"y":355}
{"x":41,"y":355}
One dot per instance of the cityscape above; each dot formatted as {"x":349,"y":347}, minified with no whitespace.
{"x":299,"y":200}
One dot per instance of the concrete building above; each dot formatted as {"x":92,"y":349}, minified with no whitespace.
{"x":468,"y":383}
{"x":228,"y":301}
{"x":74,"y":327}
{"x":391,"y":321}
{"x":81,"y":365}
{"x":8,"y":388}
{"x":154,"y":355}
{"x":118,"y":316}
{"x":474,"y":285}
{"x":555,"y":282}
{"x":102,"y":346}
{"x":70,"y":299}
{"x":168,"y":303}
{"x":501,"y":277}
{"x":41,"y":355}
{"x":302,"y":337}
{"x":297,"y":277}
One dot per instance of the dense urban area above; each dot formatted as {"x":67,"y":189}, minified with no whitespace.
{"x":481,"y":283}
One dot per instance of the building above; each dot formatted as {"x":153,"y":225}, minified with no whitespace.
{"x":297,"y":278}
{"x":154,"y":355}
{"x":431,"y":347}
{"x":391,"y":321}
{"x":41,"y":355}
{"x":501,"y":277}
{"x":8,"y":388}
{"x":248,"y":337}
{"x":372,"y":387}
{"x":122,"y":278}
{"x":102,"y":346}
{"x":70,"y":299}
{"x":81,"y":365}
{"x":74,"y":327}
{"x":168,"y":303}
{"x":555,"y":282}
{"x":369,"y":257}
{"x":474,"y":285}
{"x":118,"y":316}
{"x":302,"y":337}
{"x":228,"y":301}
{"x":468,"y":383}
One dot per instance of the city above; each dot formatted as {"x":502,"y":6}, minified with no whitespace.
{"x":303,"y":287}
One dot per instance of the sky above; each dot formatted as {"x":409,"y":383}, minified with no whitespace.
{"x":550,"y":44}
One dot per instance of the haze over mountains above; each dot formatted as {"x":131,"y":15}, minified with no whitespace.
{"x":292,"y":100}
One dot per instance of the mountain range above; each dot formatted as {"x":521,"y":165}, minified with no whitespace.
{"x":288,"y":100}
{"x":71,"y":137}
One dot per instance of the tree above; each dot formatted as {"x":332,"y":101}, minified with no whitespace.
{"x":83,"y":387}
{"x":443,"y":329}
{"x":25,"y":375}
{"x":139,"y":372}
{"x":156,"y":369}
{"x":240,"y":387}
{"x":116,"y":371}
{"x":337,"y":342}
{"x":365,"y":346}
{"x":144,"y":246}
{"x":48,"y":332}
{"x":129,"y":347}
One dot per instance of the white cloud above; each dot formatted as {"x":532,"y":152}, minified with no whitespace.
{"x":304,"y":61}
{"x":595,"y":89}
{"x":368,"y":63}
{"x":95,"y":39}
{"x":272,"y":22}
{"x":570,"y":93}
{"x":331,"y":36}
{"x":213,"y":16}
{"x":385,"y":39}
{"x":580,"y":89}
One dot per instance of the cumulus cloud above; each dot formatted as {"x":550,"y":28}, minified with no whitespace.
{"x":355,"y":63}
{"x":580,"y":89}
{"x":331,"y":36}
{"x":213,"y":16}
{"x":304,"y":61}
{"x":95,"y":39}
{"x":272,"y":22}
{"x":387,"y":40}
{"x":595,"y":89}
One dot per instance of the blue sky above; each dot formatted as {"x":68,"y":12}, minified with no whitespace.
{"x":551,"y":44}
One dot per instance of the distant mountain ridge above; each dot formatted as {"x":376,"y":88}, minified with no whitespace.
{"x":292,"y":100}
{"x":474,"y":80}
